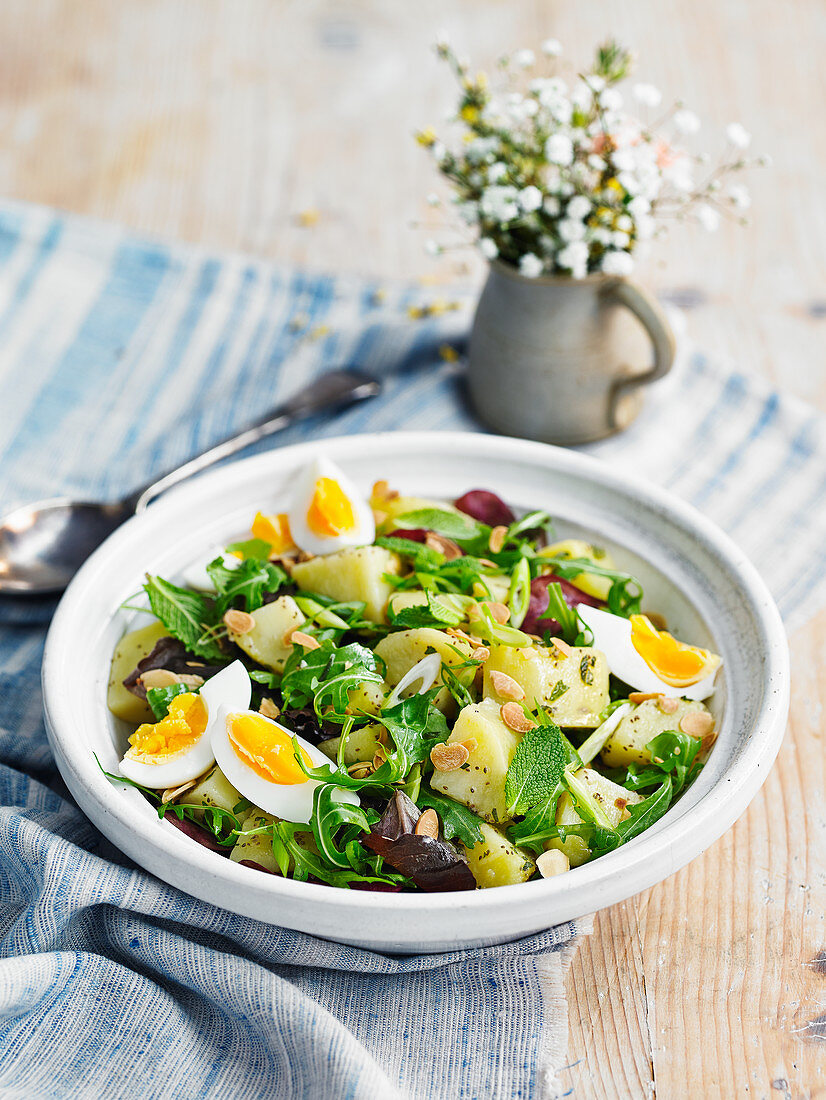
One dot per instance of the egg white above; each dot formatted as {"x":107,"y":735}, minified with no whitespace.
{"x":288,"y":801}
{"x":229,"y":689}
{"x":362,"y":534}
{"x":612,"y":635}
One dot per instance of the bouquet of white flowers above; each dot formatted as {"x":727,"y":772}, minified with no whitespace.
{"x":559,"y":179}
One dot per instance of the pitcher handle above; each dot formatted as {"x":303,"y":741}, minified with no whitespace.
{"x":646,"y":309}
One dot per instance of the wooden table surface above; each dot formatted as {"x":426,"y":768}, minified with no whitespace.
{"x":220,"y":121}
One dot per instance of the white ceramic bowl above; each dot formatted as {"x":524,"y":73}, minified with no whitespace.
{"x":706,"y":587}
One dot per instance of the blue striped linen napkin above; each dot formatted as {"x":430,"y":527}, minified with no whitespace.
{"x":118,"y":358}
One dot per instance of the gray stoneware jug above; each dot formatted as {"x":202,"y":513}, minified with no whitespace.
{"x":564,"y":360}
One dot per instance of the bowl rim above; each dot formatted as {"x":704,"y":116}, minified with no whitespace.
{"x":632,"y":865}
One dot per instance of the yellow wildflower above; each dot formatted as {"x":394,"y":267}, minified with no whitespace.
{"x":309,"y":217}
{"x":426,"y":137}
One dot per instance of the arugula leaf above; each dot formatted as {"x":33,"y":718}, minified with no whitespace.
{"x":537,"y":768}
{"x":538,"y":824}
{"x":246,"y":582}
{"x":642,"y":816}
{"x":331,"y":810}
{"x":326,"y":675}
{"x":457,"y":820}
{"x":559,"y":610}
{"x":415,"y":726}
{"x":434,"y":612}
{"x":160,"y":698}
{"x":188,"y":616}
{"x":672,"y":752}
{"x":259,"y":549}
{"x":453,"y":525}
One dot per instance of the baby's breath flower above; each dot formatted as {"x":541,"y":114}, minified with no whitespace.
{"x":433,"y":199}
{"x":551,"y":205}
{"x":574,"y":258}
{"x":524,"y":58}
{"x":739,"y":195}
{"x":488,"y":248}
{"x":611,"y":99}
{"x":530,"y":199}
{"x":571,"y":229}
{"x":686,"y":122}
{"x":551,"y":47}
{"x":617,"y":263}
{"x":432,"y":248}
{"x":578,"y":207}
{"x":708,"y":217}
{"x":500,"y":204}
{"x":530,"y":265}
{"x":738,"y":135}
{"x":559,"y":149}
{"x":647,"y":95}
{"x":496,"y":171}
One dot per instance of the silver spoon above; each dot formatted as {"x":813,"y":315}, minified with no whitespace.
{"x":42,"y":545}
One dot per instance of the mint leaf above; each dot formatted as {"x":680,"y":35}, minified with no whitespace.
{"x":537,"y":768}
{"x":453,"y":525}
{"x":246,"y":583}
{"x":187,"y":615}
{"x":457,"y":820}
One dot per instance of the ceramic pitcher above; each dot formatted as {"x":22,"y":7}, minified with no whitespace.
{"x":564,"y":360}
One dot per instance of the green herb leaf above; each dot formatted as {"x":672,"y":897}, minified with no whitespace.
{"x":415,"y":726}
{"x":433,"y":612}
{"x":453,"y":525}
{"x":160,"y":698}
{"x":244,"y":584}
{"x":537,"y":768}
{"x":259,"y":549}
{"x":672,"y":752}
{"x":325,"y":676}
{"x":187,"y":615}
{"x":458,"y":822}
{"x":424,"y":559}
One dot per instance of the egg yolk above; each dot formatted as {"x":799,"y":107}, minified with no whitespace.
{"x":183,"y":725}
{"x":266,"y":748}
{"x":674,"y":662}
{"x":273,"y":529}
{"x":331,"y":512}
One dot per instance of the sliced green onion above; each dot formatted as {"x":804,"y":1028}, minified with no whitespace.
{"x":519,"y":593}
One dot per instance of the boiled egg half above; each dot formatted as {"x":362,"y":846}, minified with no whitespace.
{"x":178,"y":748}
{"x":651,"y":660}
{"x":257,"y":756}
{"x":327,"y":512}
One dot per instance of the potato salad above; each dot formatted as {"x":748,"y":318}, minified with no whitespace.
{"x":393,"y":693}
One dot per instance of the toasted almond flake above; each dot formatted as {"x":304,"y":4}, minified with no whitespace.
{"x":620,"y":803}
{"x":552,"y":862}
{"x":658,"y":760}
{"x":268,"y":709}
{"x":497,"y":539}
{"x":697,"y":723}
{"x":463,"y":636}
{"x":159,"y":678}
{"x":379,"y":516}
{"x":514,"y":717}
{"x":378,"y":758}
{"x":708,"y":741}
{"x":641,"y":696}
{"x":488,"y":563}
{"x":448,"y":547}
{"x":360,"y":770}
{"x":505,"y":686}
{"x":667,"y":705}
{"x":470,"y":744}
{"x":481,"y":653}
{"x":428,"y":824}
{"x":448,"y":757}
{"x":382,"y":491}
{"x":239,"y":622}
{"x":657,"y":620}
{"x":561,"y":646}
{"x":171,"y":793}
{"x":500,"y":613}
{"x":191,"y":679}
{"x":298,"y":637}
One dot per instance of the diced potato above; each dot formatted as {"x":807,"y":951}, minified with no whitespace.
{"x":592,"y":583}
{"x":362,"y":744}
{"x":353,"y":574}
{"x":626,"y":745}
{"x":480,"y":783}
{"x":400,"y":506}
{"x":365,"y":699}
{"x":611,"y":797}
{"x":494,"y":861}
{"x":267,"y":642}
{"x":405,"y":648}
{"x":572,"y":689}
{"x":213,"y":790}
{"x":258,"y":848}
{"x":132,"y":647}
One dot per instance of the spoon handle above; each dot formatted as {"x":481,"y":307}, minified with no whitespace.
{"x":336,"y":389}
